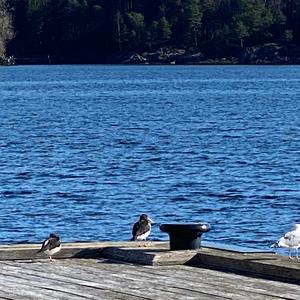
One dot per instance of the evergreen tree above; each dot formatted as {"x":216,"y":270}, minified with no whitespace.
{"x":164,"y":31}
{"x":253,"y":18}
{"x":6,"y":30}
{"x":136,"y":30}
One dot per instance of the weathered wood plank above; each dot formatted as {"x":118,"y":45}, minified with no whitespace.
{"x":45,"y":283}
{"x":270,"y":265}
{"x":97,"y":281}
{"x":247,"y":284}
{"x":83,"y":289}
{"x":250,"y":285}
{"x":27,"y":289}
{"x":149,"y":256}
{"x":101,"y":278}
{"x":183,"y":273}
{"x":184,"y":281}
{"x":244,"y":278}
{"x":262,"y":264}
{"x":7,"y":294}
{"x":134,"y":283}
{"x":184,"y":286}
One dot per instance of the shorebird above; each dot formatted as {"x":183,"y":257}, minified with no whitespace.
{"x":51,"y":245}
{"x":290,"y":240}
{"x":141,"y":229}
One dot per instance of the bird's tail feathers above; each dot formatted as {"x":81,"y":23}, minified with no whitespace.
{"x":275,"y":245}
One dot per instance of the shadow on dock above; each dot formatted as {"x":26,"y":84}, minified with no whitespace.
{"x":250,"y":262}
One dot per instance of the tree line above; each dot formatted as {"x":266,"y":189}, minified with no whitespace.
{"x":88,"y":30}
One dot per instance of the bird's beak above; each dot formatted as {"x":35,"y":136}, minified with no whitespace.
{"x":151,"y":221}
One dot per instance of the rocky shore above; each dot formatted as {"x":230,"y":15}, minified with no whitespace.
{"x":261,"y":54}
{"x":6,"y":61}
{"x":265,"y":54}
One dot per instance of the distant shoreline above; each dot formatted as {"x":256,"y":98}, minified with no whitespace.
{"x":265,"y":54}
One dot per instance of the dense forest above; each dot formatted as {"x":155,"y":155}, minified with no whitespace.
{"x":94,"y":30}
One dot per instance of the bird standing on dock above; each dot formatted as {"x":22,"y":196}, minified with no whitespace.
{"x":290,"y":240}
{"x":51,"y":245}
{"x":142,"y":228}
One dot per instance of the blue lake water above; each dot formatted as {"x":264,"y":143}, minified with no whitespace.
{"x":86,"y":149}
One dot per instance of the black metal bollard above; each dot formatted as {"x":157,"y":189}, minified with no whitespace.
{"x":185,"y":236}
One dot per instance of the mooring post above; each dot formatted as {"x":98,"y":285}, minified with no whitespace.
{"x":185,"y":236}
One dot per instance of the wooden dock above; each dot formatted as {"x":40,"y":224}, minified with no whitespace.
{"x":125,"y":271}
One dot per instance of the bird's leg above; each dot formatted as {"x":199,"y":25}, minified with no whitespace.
{"x":50,"y":258}
{"x":297,"y":256}
{"x":145,"y":243}
{"x":290,"y":254}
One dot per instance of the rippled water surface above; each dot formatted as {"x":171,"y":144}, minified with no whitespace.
{"x":86,"y":149}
